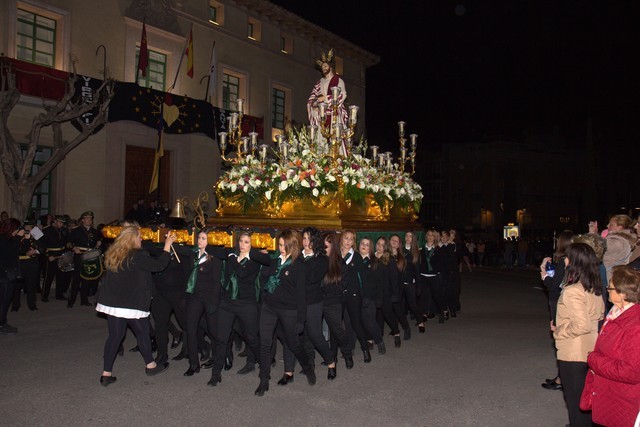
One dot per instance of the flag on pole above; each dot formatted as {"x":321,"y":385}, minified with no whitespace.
{"x":155,"y":177}
{"x":211,"y":93}
{"x":143,"y":57}
{"x":189,"y":53}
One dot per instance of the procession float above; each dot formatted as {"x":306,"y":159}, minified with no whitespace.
{"x":314,"y":176}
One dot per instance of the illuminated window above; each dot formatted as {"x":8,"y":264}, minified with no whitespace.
{"x":216,"y":12}
{"x":35,"y":38}
{"x":156,"y":71}
{"x":278,"y":108}
{"x":254,"y":29}
{"x":286,"y":43}
{"x":230,"y":91}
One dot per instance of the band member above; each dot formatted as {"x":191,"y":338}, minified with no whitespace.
{"x":29,"y":268}
{"x":82,"y":239}
{"x":54,"y":240}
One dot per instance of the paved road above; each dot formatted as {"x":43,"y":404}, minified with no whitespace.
{"x":483,"y":368}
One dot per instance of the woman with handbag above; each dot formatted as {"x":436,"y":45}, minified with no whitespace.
{"x":125,"y":297}
{"x":612,"y":388}
{"x":580,"y":308}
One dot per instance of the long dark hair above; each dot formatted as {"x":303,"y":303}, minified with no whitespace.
{"x":315,"y":240}
{"x":334,"y":272}
{"x":583,"y":268}
{"x":399,"y":255}
{"x":564,"y":240}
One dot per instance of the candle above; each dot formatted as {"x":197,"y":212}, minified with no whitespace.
{"x":335,"y":93}
{"x":222,"y":137}
{"x":401,"y":128}
{"x":381,"y":158}
{"x":285,"y":151}
{"x":413,"y":137}
{"x":322,"y":106}
{"x":234,"y":119}
{"x":263,"y":152}
{"x":280,"y":139}
{"x":240,"y":104}
{"x":338,"y":128}
{"x":353,"y":114}
{"x":374,"y":152}
{"x":403,"y":154}
{"x":312,"y":133}
{"x":244,"y":146}
{"x":254,"y":140}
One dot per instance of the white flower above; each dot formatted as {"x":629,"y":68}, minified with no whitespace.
{"x":283,"y":185}
{"x":305,"y":183}
{"x":267,"y":194}
{"x":234,"y":187}
{"x":315,"y":192}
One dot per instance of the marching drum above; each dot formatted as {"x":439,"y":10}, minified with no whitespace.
{"x":91,"y":261}
{"x":65,"y":262}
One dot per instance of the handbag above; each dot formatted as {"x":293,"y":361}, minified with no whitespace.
{"x":586,"y":398}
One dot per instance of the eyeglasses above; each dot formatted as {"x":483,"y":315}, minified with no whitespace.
{"x":609,"y":288}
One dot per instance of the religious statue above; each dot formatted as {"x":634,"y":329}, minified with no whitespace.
{"x":322,"y":93}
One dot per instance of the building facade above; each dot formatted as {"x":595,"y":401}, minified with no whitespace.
{"x":264,"y":55}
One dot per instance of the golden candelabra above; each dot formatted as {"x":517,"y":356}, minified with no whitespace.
{"x":413,"y":141}
{"x":234,"y":138}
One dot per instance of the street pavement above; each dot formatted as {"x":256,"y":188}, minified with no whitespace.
{"x":483,"y":368}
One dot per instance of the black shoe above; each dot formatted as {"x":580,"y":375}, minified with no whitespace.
{"x":261,"y":389}
{"x":249,"y":367}
{"x":348,"y":361}
{"x":69,"y":305}
{"x":311,"y":376}
{"x":286,"y":379}
{"x":367,"y":356}
{"x":550,"y":380}
{"x":396,"y":341}
{"x":105,"y":381}
{"x":180,"y":356}
{"x":134,"y":349}
{"x":228,"y":363}
{"x":381,"y":348}
{"x":332,"y":374}
{"x":407,"y":334}
{"x":162,"y":358}
{"x":191,"y":371}
{"x":215,"y":379}
{"x":208,"y":364}
{"x":44,"y":299}
{"x":552,"y":386}
{"x":159,"y":368}
{"x":430,"y":315}
{"x":205,"y":352}
{"x":176,"y":341}
{"x":7,"y":329}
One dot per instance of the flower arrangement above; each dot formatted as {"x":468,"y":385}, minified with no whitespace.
{"x":308,"y":172}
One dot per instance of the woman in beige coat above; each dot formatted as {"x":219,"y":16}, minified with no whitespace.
{"x":580,"y":307}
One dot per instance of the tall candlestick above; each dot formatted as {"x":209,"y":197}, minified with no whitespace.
{"x":353,"y":114}
{"x":374,"y":153}
{"x":244,"y":145}
{"x":338,"y":128}
{"x":335,"y":93}
{"x":222,"y":137}
{"x":263,"y":152}
{"x":312,"y":133}
{"x":381,"y":159}
{"x":234,"y":119}
{"x":240,"y":105}
{"x":322,"y":107}
{"x":403,"y":154}
{"x":254,"y":140}
{"x":414,"y":141}
{"x":401,"y":128}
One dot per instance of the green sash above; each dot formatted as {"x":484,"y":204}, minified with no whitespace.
{"x":274,"y":281}
{"x":191,"y":283}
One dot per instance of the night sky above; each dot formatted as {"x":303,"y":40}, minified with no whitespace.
{"x":473,"y":71}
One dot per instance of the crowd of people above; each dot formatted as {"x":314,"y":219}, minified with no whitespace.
{"x":593,"y":284}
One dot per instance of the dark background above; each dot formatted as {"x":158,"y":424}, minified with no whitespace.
{"x":473,"y":71}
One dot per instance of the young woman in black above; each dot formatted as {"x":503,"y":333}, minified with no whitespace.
{"x":316,"y":264}
{"x":432,"y":264}
{"x":285,"y":302}
{"x":372,"y":290}
{"x":384,"y":266}
{"x":239,"y":300}
{"x":406,"y":282}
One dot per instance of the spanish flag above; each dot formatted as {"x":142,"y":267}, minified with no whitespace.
{"x":143,"y":56}
{"x":189,"y":53}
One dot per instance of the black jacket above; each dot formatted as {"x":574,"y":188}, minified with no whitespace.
{"x":315,"y":269}
{"x":291,"y":293}
{"x":132,"y":287}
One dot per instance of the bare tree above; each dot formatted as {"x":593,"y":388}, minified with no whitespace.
{"x":16,"y":165}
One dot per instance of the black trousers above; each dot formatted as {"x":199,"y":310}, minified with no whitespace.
{"x":163,"y":304}
{"x":353,"y":321}
{"x":333,"y":316}
{"x":311,"y":340}
{"x":30,"y":270}
{"x":369,"y":320}
{"x":386,"y":314}
{"x":573,"y":375}
{"x":246,"y":313}
{"x":63,"y":279}
{"x":117,"y":330}
{"x":196,"y":309}
{"x":411,"y":300}
{"x":7,"y":288}
{"x":435,"y":303}
{"x":78,"y":284}
{"x":400,"y":311}
{"x":269,"y":318}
